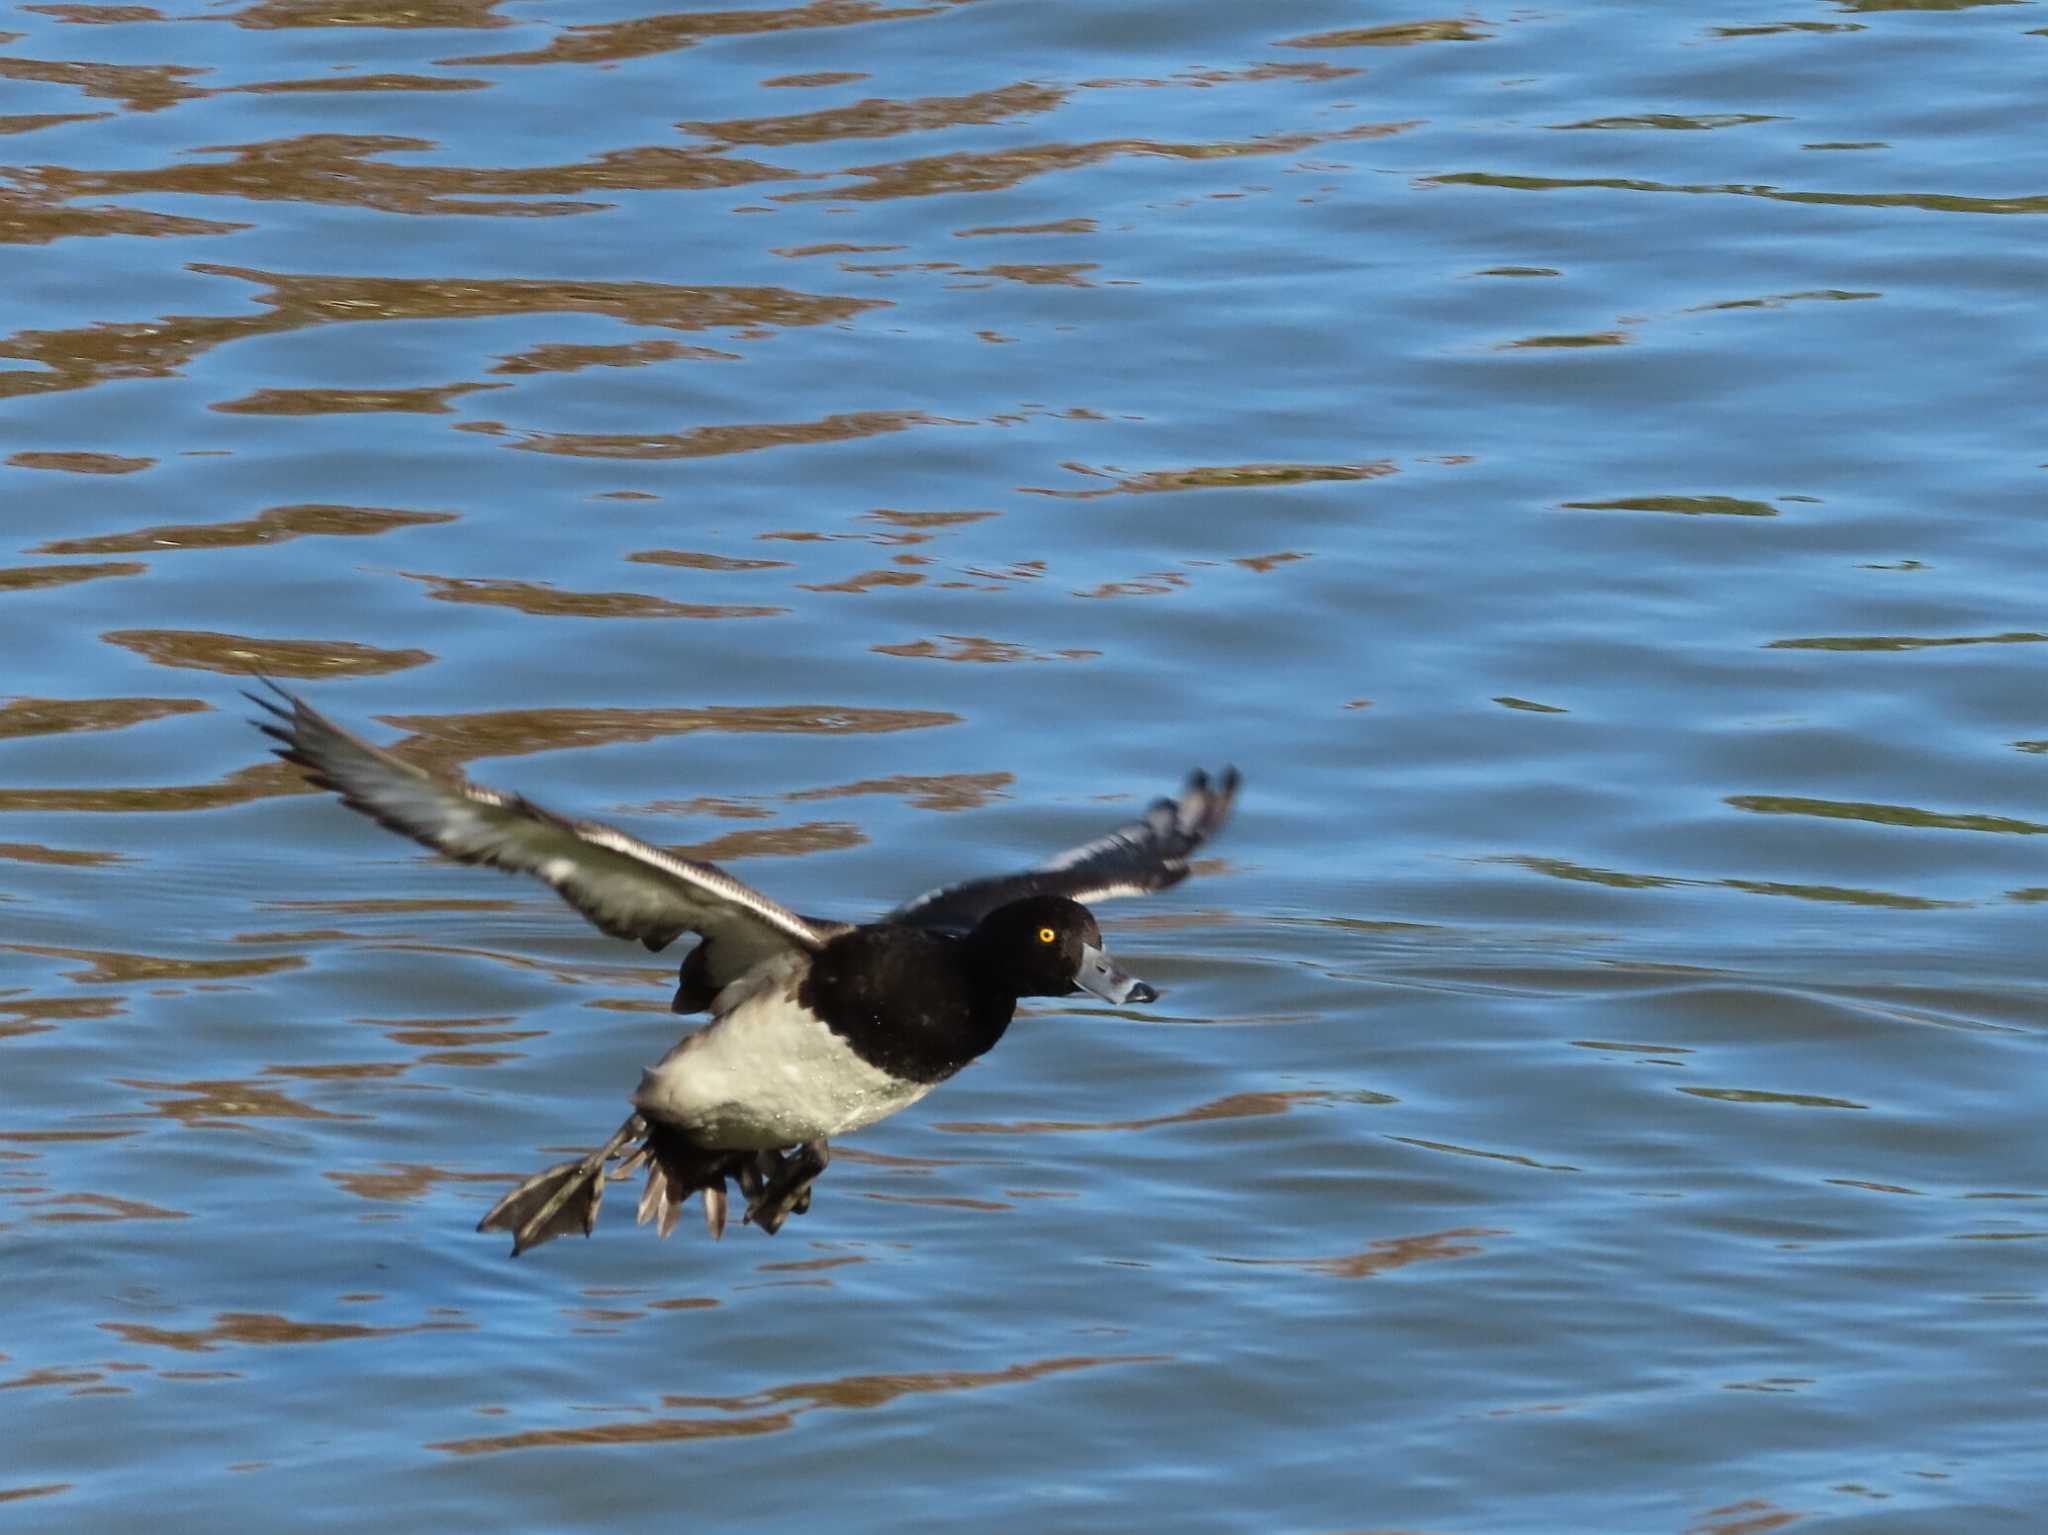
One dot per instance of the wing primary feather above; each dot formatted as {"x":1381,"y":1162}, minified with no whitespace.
{"x":1143,"y":856}
{"x":623,"y":886}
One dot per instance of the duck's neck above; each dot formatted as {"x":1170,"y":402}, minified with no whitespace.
{"x":913,"y":1003}
{"x":986,"y":971}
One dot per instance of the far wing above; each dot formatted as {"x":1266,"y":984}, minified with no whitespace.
{"x":1148,"y":854}
{"x":624,"y":886}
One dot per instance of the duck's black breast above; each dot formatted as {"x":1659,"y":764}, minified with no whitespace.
{"x":906,"y":1000}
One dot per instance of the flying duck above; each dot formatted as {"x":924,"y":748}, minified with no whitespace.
{"x":817,"y":1027}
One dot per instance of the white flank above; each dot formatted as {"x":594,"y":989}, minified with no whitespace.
{"x":768,"y":1075}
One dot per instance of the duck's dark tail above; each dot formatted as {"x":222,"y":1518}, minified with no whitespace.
{"x":566,"y":1197}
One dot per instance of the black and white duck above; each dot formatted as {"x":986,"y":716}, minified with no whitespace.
{"x":817,"y":1027}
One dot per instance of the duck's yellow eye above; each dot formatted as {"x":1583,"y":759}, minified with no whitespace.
{"x":1046,"y":935}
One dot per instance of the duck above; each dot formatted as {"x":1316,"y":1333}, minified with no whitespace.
{"x":817,"y":1027}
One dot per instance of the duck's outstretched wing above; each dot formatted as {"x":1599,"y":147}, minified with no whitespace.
{"x":623,"y":885}
{"x":1149,"y":854}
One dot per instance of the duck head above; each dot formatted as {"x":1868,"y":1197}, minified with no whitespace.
{"x":1049,"y":946}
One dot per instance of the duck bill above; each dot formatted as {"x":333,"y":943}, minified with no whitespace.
{"x":1103,"y":977}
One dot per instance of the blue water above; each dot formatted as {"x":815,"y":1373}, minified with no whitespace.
{"x":1582,"y":465}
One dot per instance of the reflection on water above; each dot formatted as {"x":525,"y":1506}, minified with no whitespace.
{"x":979,"y":648}
{"x":40,"y":1490}
{"x":1214,"y":477}
{"x":1684,"y":506}
{"x":101,"y":1207}
{"x":1927,"y":202}
{"x":546,"y":602}
{"x":1582,"y":464}
{"x":69,"y":857}
{"x":1882,"y":815}
{"x":1755,"y":1095}
{"x":58,"y":716}
{"x":943,"y":1202}
{"x":30,"y":578}
{"x":263,"y":1330}
{"x":607,"y":43}
{"x":1236,"y":1106}
{"x":243,"y":656}
{"x":1868,"y":642}
{"x":1399,"y":35}
{"x":274,"y":525}
{"x":875,"y":119}
{"x":225,"y":1105}
{"x":36,"y":1015}
{"x":441,"y":743}
{"x":779,"y":1407}
{"x":716,"y":441}
{"x":778,"y":842}
{"x":1516,"y":1158}
{"x":401,"y":1182}
{"x":80,"y":463}
{"x":1386,"y":1255}
{"x":1559,"y":868}
{"x":345,"y":402}
{"x":694,"y":560}
{"x":107,"y":967}
{"x":297,"y":301}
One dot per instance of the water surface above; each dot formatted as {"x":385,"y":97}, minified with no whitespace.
{"x":1583,"y":465}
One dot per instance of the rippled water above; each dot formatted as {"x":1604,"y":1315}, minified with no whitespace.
{"x":1585,"y":466}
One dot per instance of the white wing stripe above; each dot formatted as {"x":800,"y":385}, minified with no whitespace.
{"x":621,"y":884}
{"x":1142,"y":856}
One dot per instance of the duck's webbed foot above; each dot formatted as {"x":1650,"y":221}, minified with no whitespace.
{"x":786,"y":1189}
{"x":561,"y":1199}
